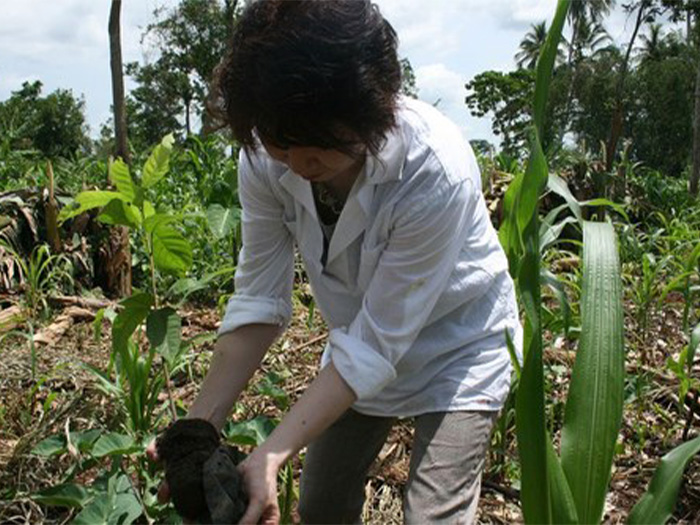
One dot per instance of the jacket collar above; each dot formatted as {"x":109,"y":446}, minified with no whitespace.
{"x":387,"y":166}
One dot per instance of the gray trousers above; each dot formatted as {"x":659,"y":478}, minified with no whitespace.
{"x":444,"y":479}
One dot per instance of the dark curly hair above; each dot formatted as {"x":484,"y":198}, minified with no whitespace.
{"x":321,"y":73}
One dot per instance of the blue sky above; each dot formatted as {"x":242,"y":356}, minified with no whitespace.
{"x":64,"y":44}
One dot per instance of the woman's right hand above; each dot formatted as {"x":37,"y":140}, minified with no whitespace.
{"x":163,"y":489}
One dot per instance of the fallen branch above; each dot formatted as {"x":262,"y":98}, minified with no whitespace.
{"x":506,"y":491}
{"x":11,"y":318}
{"x":83,"y":302}
{"x":310,"y":342}
{"x":53,"y":333}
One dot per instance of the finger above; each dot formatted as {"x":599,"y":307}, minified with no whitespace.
{"x":253,"y":513}
{"x":163,"y":493}
{"x":152,"y":451}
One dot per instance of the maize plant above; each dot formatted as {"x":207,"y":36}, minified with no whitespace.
{"x":572,"y":488}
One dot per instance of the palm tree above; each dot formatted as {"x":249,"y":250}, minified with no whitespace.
{"x":531,"y":45}
{"x":593,"y":37}
{"x":582,"y":11}
{"x":651,"y":44}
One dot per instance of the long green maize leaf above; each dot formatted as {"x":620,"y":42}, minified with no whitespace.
{"x":594,"y":406}
{"x":656,"y":506}
{"x":563,"y":505}
{"x":529,"y":401}
{"x":545,"y":63}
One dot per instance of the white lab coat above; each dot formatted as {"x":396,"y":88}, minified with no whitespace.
{"x":415,"y":289}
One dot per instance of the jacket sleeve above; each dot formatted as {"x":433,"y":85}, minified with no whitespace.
{"x":265,"y":269}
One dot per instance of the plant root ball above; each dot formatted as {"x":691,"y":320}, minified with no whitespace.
{"x":185,"y":448}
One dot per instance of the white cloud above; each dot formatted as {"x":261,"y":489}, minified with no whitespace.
{"x":438,"y":84}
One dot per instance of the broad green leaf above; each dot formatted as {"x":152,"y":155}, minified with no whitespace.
{"x":222,"y":220}
{"x":50,"y":446}
{"x":119,"y":175}
{"x":171,"y":251}
{"x":148,"y":209}
{"x":97,"y":511}
{"x":85,"y":439}
{"x":120,"y":212}
{"x":152,"y":221}
{"x":163,"y":330}
{"x":135,"y":310}
{"x":113,"y":444}
{"x":66,"y":495}
{"x":594,"y":406}
{"x":88,"y":200}
{"x":658,"y":502}
{"x":127,"y":509}
{"x":252,"y":432}
{"x":158,"y":162}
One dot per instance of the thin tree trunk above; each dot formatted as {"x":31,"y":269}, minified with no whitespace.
{"x":51,"y":213}
{"x":116,"y":254}
{"x":618,"y":117}
{"x":115,"y":52}
{"x":695,"y":174}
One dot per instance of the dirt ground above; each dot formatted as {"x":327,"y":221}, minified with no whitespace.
{"x":652,"y":424}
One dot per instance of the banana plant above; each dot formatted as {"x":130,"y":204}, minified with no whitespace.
{"x":572,"y":488}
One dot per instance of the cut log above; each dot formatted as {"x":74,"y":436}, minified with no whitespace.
{"x":53,"y":333}
{"x":84,"y":302}
{"x":11,"y":318}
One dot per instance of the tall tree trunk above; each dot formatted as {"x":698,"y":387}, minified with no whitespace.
{"x":618,"y":118}
{"x":115,"y":52}
{"x":695,"y":174}
{"x":115,"y":255}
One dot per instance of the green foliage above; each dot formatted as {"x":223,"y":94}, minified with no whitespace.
{"x":663,"y":87}
{"x":506,"y":97}
{"x":191,"y":39}
{"x":53,"y":124}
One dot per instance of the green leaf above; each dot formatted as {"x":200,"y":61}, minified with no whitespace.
{"x":222,"y":220}
{"x":158,"y":162}
{"x":120,"y":212}
{"x":163,"y":330}
{"x":66,"y":495}
{"x":83,"y":441}
{"x":119,"y":175}
{"x":135,"y":310}
{"x":171,"y":251}
{"x":563,"y":505}
{"x":693,"y":347}
{"x":252,"y":432}
{"x":50,"y":446}
{"x":97,"y":511}
{"x":88,"y":200}
{"x":558,"y":185}
{"x":148,"y":209}
{"x":545,"y":63}
{"x":657,"y":504}
{"x":594,"y":406}
{"x":112,"y":444}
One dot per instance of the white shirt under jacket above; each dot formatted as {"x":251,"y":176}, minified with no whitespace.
{"x":415,"y":291}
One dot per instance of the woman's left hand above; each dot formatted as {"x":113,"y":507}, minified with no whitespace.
{"x":260,"y":474}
